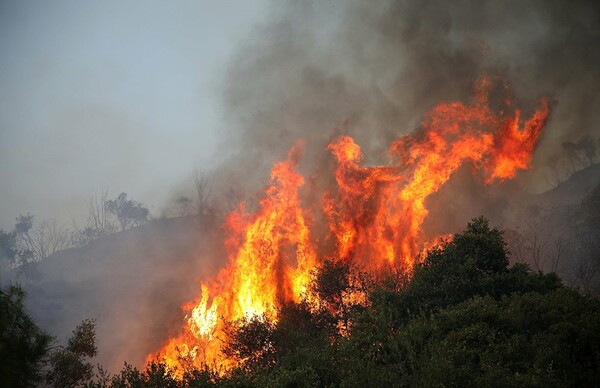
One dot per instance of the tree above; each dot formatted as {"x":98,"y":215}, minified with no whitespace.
{"x":25,"y":245}
{"x":8,"y":247}
{"x":18,"y":246}
{"x":68,"y":365}
{"x":523,"y":340}
{"x":203,"y":184}
{"x":475,"y":262}
{"x":128,"y":212}
{"x":100,"y":222}
{"x":183,"y":205}
{"x":50,"y":237}
{"x":156,"y":375}
{"x":23,"y":345}
{"x":250,"y":343}
{"x":465,"y":318}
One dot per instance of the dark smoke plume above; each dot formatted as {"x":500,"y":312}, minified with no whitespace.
{"x":371,"y":69}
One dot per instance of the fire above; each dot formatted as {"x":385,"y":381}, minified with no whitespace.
{"x":374,"y":216}
{"x":270,"y":259}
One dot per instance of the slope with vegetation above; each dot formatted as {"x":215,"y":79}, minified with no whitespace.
{"x":465,"y":318}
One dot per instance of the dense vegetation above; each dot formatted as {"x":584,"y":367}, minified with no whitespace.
{"x":22,"y":344}
{"x":465,"y":318}
{"x":28,"y":356}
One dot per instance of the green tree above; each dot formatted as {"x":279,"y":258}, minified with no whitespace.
{"x":69,"y":366}
{"x":250,"y":343}
{"x":23,"y":346}
{"x":473,"y":264}
{"x":527,"y":339}
{"x":156,"y":375}
{"x":465,"y":319}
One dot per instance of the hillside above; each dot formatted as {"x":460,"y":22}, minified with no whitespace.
{"x":131,"y":282}
{"x":572,"y":190}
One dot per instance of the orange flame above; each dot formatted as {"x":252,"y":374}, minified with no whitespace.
{"x":270,"y":260}
{"x":374,"y":216}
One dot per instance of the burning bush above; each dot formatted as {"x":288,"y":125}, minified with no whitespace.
{"x":371,"y":217}
{"x":465,"y":318}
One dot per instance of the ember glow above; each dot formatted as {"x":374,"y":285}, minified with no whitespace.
{"x":373,"y":215}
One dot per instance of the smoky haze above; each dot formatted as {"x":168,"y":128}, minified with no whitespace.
{"x":123,"y":97}
{"x":310,"y":70}
{"x":372,"y":69}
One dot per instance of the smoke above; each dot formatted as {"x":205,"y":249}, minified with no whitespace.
{"x":371,"y":69}
{"x":316,"y":70}
{"x":132,"y":283}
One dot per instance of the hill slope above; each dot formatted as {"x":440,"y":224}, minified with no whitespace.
{"x":572,"y":190}
{"x":131,"y":282}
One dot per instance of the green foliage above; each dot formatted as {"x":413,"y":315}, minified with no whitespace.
{"x":130,"y":377}
{"x":250,"y":343}
{"x":158,"y":375}
{"x":473,"y":264}
{"x":83,"y":340}
{"x":68,"y":370}
{"x":23,"y":345}
{"x":201,"y":378}
{"x":465,"y":319}
{"x":68,"y":366}
{"x":523,"y":340}
{"x":331,"y":281}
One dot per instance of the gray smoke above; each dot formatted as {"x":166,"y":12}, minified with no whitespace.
{"x":372,"y":69}
{"x":132,"y":283}
{"x":315,"y":70}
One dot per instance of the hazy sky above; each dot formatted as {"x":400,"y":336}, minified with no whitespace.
{"x":130,"y":95}
{"x":123,"y":95}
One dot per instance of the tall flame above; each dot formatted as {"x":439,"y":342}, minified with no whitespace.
{"x":374,"y":216}
{"x":270,"y":259}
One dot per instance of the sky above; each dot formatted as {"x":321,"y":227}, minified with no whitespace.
{"x":110,"y":95}
{"x":134,"y":96}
